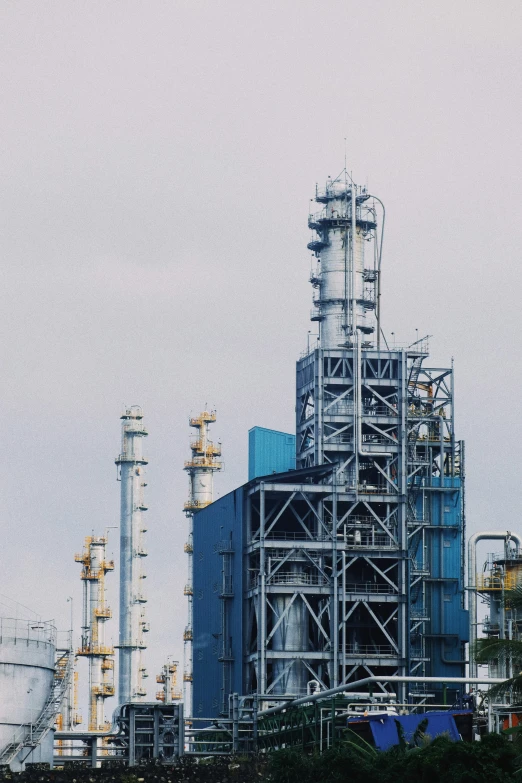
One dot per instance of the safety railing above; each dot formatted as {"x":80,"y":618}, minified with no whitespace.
{"x":506,"y":581}
{"x":14,"y":629}
{"x":339,"y":409}
{"x":290,"y":577}
{"x":371,"y":587}
{"x":359,"y":539}
{"x":283,"y":535}
{"x":379,"y":410}
{"x":381,"y":650}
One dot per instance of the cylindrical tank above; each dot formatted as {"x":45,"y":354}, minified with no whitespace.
{"x":291,"y":636}
{"x":336,"y":280}
{"x":202,"y":483}
{"x":27,"y":659}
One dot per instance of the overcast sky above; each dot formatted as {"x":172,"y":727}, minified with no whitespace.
{"x":157,"y":162}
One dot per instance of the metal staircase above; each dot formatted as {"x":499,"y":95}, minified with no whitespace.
{"x":30,"y":736}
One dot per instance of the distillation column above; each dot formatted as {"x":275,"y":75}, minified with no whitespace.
{"x":346,"y":279}
{"x":168,"y":679}
{"x":95,"y":615}
{"x":132,"y":527}
{"x":201,"y":469}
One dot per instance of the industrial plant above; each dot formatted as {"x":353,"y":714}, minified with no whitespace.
{"x":332,"y":583}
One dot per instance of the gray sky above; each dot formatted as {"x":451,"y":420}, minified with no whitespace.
{"x":157,"y":161}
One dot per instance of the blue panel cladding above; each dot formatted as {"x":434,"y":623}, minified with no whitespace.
{"x":445,"y":586}
{"x":269,"y":451}
{"x":215,"y":528}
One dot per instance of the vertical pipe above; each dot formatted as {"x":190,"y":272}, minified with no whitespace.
{"x":335,"y":577}
{"x":262,"y":595}
{"x":405,"y":611}
{"x":353,"y":292}
{"x":181,"y":730}
{"x":235,"y":722}
{"x":344,"y":615}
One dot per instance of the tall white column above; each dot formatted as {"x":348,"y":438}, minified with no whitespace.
{"x":132,"y":528}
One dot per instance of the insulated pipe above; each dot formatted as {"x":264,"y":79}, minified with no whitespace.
{"x":371,"y":680}
{"x":489,"y":535}
{"x":378,"y":297}
{"x":353,"y":282}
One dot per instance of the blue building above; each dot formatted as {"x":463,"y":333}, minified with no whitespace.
{"x":217,"y":607}
{"x":448,"y":627}
{"x":269,"y":451}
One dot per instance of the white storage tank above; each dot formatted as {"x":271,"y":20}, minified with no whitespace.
{"x":27,"y":660}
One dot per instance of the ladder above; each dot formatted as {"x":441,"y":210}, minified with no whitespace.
{"x":29,"y":737}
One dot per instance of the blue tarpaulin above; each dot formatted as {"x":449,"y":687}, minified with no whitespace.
{"x":385,"y":732}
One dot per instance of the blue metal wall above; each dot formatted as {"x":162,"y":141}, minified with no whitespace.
{"x":445,"y":586}
{"x":214,"y":528}
{"x":269,"y":451}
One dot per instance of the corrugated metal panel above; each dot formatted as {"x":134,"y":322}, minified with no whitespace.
{"x":445,"y":597}
{"x":269,"y":451}
{"x":218,"y":534}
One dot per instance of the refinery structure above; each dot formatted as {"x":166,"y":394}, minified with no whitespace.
{"x":352,"y":564}
{"x":336,"y":572}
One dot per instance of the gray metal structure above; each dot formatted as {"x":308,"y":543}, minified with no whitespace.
{"x":340,"y":557}
{"x":140,"y":732}
{"x":133,"y":625}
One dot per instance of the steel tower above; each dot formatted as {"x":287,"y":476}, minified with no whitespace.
{"x":349,"y":556}
{"x":132,"y":551}
{"x":95,"y":614}
{"x":201,"y":469}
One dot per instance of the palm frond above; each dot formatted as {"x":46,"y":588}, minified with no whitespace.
{"x":488,"y":650}
{"x":511,"y":687}
{"x":361,"y":745}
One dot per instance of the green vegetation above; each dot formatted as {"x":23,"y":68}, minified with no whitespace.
{"x":494,"y":760}
{"x":491,"y":761}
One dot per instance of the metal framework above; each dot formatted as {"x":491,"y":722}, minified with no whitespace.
{"x":344,"y":567}
{"x":200,"y":468}
{"x":95,"y":614}
{"x":133,"y":624}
